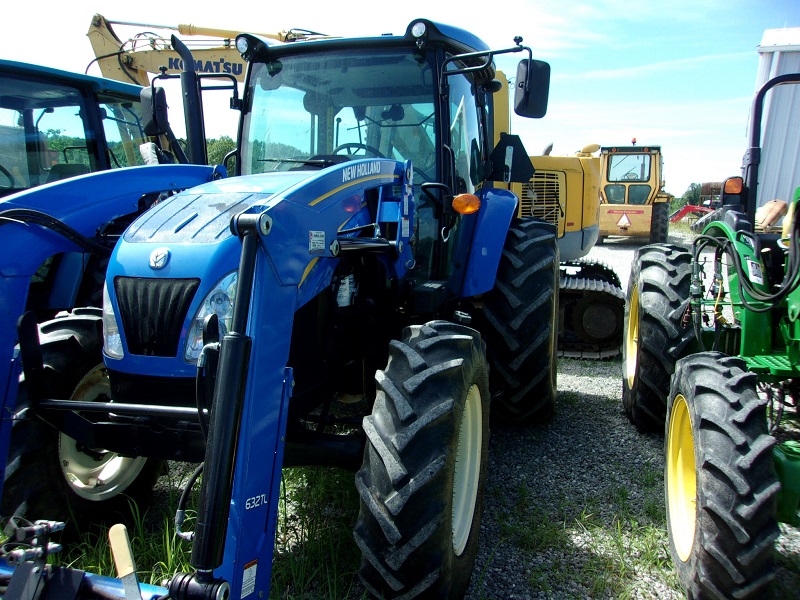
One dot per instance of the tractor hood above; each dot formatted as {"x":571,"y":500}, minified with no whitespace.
{"x":194,"y":217}
{"x":173,"y":260}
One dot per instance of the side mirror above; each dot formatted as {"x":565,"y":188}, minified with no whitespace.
{"x":533,"y":75}
{"x":154,"y":111}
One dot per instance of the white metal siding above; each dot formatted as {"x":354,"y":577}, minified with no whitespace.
{"x":779,"y":174}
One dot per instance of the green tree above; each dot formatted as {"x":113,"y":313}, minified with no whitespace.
{"x":690,"y":196}
{"x":217,"y":149}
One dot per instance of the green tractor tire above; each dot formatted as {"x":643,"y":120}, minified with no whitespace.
{"x":720,"y":482}
{"x":656,"y":332}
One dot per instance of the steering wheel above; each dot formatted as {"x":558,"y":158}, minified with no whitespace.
{"x":631,"y":175}
{"x":11,"y":181}
{"x":358,"y":146}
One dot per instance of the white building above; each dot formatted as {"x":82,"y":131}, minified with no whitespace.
{"x":779,"y":175}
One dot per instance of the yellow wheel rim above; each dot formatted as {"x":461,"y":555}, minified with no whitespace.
{"x":632,"y":335}
{"x":681,"y":479}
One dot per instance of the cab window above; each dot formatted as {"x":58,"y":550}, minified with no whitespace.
{"x":629,"y":167}
{"x":464,"y":134}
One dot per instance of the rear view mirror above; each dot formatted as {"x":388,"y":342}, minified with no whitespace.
{"x":532,"y":88}
{"x":154,"y":111}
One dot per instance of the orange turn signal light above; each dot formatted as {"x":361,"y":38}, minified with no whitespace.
{"x":734,"y":185}
{"x":466,"y":204}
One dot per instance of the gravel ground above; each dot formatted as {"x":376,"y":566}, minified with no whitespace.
{"x":575,"y":507}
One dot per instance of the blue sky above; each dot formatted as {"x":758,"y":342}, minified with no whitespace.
{"x":680,"y":74}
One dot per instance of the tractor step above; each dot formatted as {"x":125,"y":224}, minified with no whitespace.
{"x":777,"y":365}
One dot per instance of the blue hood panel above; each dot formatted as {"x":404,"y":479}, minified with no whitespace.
{"x":203,"y":214}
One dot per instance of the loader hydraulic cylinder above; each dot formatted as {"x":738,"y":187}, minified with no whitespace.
{"x":226,"y":412}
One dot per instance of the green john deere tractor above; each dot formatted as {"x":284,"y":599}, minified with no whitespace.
{"x":711,"y":354}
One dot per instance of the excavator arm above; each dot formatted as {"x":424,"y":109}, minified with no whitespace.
{"x":149,"y":53}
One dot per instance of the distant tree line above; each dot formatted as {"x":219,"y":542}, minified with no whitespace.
{"x":690,"y":196}
{"x":72,"y":149}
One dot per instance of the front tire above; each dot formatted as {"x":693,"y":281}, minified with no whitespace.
{"x":519,"y":322}
{"x":49,"y":475}
{"x":720,"y":482}
{"x":421,"y":482}
{"x":655,"y":333}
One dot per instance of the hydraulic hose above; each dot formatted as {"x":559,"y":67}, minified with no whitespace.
{"x":28,"y":215}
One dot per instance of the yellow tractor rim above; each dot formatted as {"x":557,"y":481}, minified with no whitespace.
{"x":681,"y":479}
{"x":632,"y":335}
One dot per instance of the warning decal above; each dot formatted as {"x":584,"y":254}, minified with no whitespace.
{"x":316,"y":242}
{"x":249,"y":578}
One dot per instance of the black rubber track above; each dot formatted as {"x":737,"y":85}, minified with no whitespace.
{"x":34,"y":486}
{"x":659,"y":223}
{"x":591,"y":317}
{"x":404,"y":527}
{"x":519,"y":323}
{"x":590,"y":268}
{"x":732,"y":551}
{"x":660,"y":279}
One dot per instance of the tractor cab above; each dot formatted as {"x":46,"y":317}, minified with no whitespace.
{"x":55,"y":125}
{"x":632,"y":200}
{"x":424,"y":97}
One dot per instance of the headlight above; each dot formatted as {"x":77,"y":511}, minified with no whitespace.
{"x":112,"y":342}
{"x":219,"y":301}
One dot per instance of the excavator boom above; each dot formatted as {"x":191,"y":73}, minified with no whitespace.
{"x":147,"y":53}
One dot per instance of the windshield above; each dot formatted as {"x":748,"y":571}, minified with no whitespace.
{"x":312,"y":110}
{"x":629,"y":167}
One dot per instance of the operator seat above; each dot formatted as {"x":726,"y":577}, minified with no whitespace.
{"x":65,"y":171}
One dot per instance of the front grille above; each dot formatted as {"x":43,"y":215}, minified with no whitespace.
{"x":541,"y":197}
{"x":153,"y":312}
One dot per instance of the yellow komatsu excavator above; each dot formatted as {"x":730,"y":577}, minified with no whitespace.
{"x":563,"y":191}
{"x":146,"y":53}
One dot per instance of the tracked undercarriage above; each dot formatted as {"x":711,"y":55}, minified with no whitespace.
{"x":591,"y":310}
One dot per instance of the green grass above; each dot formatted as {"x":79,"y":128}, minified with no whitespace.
{"x":604,"y":547}
{"x":315,"y":554}
{"x":571,"y":545}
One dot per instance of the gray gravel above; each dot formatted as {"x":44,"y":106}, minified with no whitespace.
{"x":575,"y":507}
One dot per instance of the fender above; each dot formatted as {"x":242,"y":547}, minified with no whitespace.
{"x":498,"y":208}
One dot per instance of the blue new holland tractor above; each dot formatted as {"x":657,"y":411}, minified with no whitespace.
{"x":355,"y":296}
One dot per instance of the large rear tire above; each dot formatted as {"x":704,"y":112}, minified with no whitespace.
{"x":659,"y":223}
{"x":720,"y":482}
{"x":50,"y":476}
{"x":421,"y":483}
{"x":519,"y":322}
{"x":655,"y":332}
